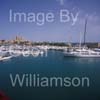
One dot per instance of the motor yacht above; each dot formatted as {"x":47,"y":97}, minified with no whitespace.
{"x":3,"y":58}
{"x":82,"y":52}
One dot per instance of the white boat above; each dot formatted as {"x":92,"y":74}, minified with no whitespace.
{"x":84,"y":53}
{"x":35,"y":53}
{"x":26,"y":52}
{"x":97,"y":49}
{"x":15,"y":53}
{"x":18,"y":50}
{"x":5,"y":58}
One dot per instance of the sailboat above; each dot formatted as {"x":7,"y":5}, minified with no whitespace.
{"x":82,"y":51}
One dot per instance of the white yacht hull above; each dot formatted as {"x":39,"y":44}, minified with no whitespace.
{"x":81,"y":56}
{"x":5,"y":58}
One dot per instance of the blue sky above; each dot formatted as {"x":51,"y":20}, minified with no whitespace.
{"x":56,"y":31}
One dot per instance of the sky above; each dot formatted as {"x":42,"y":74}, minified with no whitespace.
{"x":55,"y":31}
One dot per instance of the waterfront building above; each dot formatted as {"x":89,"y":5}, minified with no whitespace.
{"x":98,"y":45}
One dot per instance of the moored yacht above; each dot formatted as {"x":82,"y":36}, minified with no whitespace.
{"x":82,"y":52}
{"x":2,"y":58}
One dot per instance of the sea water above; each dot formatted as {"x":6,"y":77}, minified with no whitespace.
{"x":52,"y":65}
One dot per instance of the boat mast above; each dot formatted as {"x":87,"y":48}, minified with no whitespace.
{"x":80,"y":40}
{"x":85,"y":30}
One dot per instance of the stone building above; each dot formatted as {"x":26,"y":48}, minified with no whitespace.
{"x":98,"y":45}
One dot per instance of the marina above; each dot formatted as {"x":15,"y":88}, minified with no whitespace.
{"x":15,"y":51}
{"x":11,"y":51}
{"x":50,"y":50}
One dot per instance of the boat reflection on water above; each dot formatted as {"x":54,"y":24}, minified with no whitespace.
{"x":86,"y":60}
{"x":82,"y":60}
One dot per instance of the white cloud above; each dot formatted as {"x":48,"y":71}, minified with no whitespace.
{"x":62,"y":2}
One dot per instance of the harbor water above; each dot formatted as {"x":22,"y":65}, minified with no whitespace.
{"x":52,"y":65}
